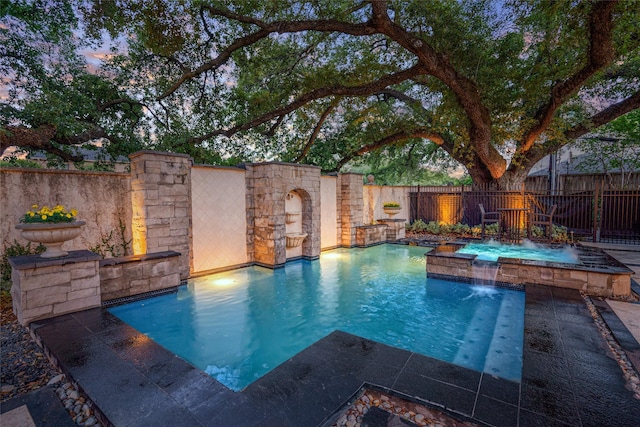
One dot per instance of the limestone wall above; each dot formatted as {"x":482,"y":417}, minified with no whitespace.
{"x":219,"y":217}
{"x":133,"y":275}
{"x":215,"y":217}
{"x":44,"y":288}
{"x":351,"y":207}
{"x":161,"y":200}
{"x":267,"y":187}
{"x":101,"y":198}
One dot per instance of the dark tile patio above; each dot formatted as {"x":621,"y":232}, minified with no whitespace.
{"x":569,"y":376}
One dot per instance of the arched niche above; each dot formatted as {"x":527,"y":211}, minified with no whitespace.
{"x":297,"y":223}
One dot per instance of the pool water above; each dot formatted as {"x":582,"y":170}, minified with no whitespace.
{"x":493,"y":250}
{"x":239,"y":325}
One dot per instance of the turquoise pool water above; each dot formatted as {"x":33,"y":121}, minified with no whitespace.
{"x":492,"y":251}
{"x":239,"y":325}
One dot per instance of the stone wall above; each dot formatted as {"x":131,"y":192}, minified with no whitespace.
{"x":44,"y":288}
{"x":236,"y":213}
{"x":101,"y":198}
{"x":351,"y":207}
{"x":267,"y":187}
{"x":612,"y":281}
{"x":161,"y":199}
{"x":368,"y":235}
{"x":133,"y":275}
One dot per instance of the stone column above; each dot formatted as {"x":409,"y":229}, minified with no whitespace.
{"x":49,"y":287}
{"x":351,"y":206}
{"x":161,"y":200}
{"x":267,"y":187}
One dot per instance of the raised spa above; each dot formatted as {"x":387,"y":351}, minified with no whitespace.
{"x":491,"y":251}
{"x":590,"y":270}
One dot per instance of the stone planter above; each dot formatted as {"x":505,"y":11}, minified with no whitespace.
{"x":51,"y":235}
{"x":391,"y":211}
{"x":295,"y":239}
{"x":291,"y":217}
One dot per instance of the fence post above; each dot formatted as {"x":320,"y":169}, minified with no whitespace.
{"x":417,"y":215}
{"x":462,"y":203}
{"x":596,"y":237}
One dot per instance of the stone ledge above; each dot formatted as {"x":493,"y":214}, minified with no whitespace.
{"x":138,"y":258}
{"x":26,"y":262}
{"x":159,"y":153}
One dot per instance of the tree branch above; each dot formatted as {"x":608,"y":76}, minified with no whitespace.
{"x":465,"y":90}
{"x":361,"y":90}
{"x":605,"y":116}
{"x":316,"y":131}
{"x":601,"y":53}
{"x":26,"y":137}
{"x":266,"y":29}
{"x":40,"y":138}
{"x":391,"y":139}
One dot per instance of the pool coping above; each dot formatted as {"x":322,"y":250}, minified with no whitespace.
{"x":569,"y":376}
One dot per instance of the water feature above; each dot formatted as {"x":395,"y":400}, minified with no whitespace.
{"x":241,"y":324}
{"x":485,"y":273}
{"x":492,"y":250}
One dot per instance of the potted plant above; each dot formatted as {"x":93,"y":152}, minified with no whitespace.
{"x":391,"y":208}
{"x":51,"y":227}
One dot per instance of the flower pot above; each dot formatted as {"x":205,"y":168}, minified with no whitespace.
{"x":51,"y":235}
{"x":391,"y":211}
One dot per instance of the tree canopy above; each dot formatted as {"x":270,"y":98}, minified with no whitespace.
{"x":495,"y":85}
{"x":615,"y":152}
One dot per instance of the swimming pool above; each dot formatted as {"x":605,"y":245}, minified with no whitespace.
{"x":493,"y":250}
{"x":239,"y":325}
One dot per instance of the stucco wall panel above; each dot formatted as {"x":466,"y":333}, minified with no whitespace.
{"x":219,"y":218}
{"x":329,"y":215}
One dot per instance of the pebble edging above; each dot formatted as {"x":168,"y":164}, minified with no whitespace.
{"x":418,"y":414}
{"x":75,"y":404}
{"x":630,"y":374}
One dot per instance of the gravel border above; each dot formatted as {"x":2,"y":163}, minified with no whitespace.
{"x":25,"y":368}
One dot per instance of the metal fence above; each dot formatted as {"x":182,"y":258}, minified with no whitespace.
{"x":605,"y":216}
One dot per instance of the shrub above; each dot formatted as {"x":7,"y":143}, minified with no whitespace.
{"x":418,"y":226}
{"x":15,"y":250}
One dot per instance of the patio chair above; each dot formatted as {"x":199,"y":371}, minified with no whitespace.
{"x":544,"y":219}
{"x":487,"y":218}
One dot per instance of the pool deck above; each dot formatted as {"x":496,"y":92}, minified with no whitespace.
{"x":569,"y":376}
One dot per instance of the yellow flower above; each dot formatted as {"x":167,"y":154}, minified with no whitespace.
{"x":34,"y":207}
{"x":68,"y":215}
{"x":44,"y":217}
{"x":31,"y":214}
{"x":74,"y":212}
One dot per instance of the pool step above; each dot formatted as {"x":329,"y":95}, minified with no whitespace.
{"x":504,"y":346}
{"x":501,"y":347}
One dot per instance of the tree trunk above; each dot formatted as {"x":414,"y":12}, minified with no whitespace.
{"x":511,"y":180}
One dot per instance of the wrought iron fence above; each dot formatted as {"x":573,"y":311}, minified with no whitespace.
{"x":605,"y":216}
